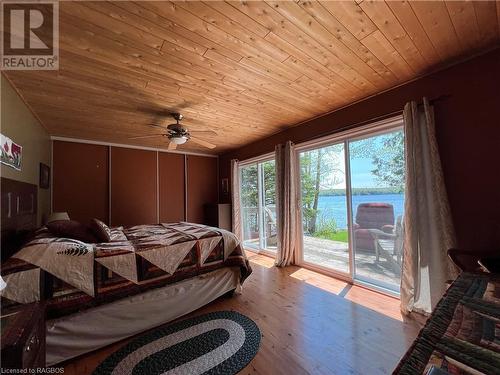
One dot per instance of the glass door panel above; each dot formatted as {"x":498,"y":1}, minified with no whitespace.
{"x":258,"y":205}
{"x":377,"y":168}
{"x":269,"y":223}
{"x":324,"y":207}
{"x":249,"y":196}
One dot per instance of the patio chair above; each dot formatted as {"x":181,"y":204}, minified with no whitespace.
{"x":370,"y":216}
{"x":271,"y":225}
{"x":390,"y":245}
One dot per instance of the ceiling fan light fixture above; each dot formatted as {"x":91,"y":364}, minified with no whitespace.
{"x":179,"y":140}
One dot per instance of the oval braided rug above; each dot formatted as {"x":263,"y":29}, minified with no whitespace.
{"x":222,"y":342}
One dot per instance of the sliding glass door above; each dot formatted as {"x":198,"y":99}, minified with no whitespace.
{"x":352,"y":203}
{"x":377,"y":168}
{"x":324,"y":207}
{"x":258,"y":205}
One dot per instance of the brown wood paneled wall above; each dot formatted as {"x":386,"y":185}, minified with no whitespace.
{"x":171,"y":187}
{"x":80,"y":180}
{"x":201,"y":186}
{"x":133,"y":186}
{"x":128,"y":186}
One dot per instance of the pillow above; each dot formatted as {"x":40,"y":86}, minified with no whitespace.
{"x":101,"y":230}
{"x":72,"y":229}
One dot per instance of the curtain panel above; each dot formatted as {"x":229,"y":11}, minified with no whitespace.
{"x":428,"y":226}
{"x":287,"y":205}
{"x":235,"y":199}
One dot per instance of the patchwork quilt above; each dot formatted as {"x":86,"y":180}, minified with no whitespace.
{"x":462,"y":336}
{"x":72,"y":275}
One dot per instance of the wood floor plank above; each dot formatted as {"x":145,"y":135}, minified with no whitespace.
{"x":310,"y":324}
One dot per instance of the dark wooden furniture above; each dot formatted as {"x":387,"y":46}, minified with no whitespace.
{"x":23,"y":337}
{"x":468,"y":260}
{"x":218,"y":215}
{"x":19,"y":208}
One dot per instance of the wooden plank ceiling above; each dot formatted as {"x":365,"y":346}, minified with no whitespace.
{"x":245,"y":69}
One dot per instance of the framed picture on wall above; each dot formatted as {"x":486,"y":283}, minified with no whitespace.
{"x":11,"y":152}
{"x":44,"y":176}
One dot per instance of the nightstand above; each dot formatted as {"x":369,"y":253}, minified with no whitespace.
{"x":23,"y":337}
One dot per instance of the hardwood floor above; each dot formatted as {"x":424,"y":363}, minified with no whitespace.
{"x":310,"y":324}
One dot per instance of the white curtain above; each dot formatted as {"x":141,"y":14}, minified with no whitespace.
{"x":286,"y":205}
{"x":235,"y":198}
{"x":429,"y":230}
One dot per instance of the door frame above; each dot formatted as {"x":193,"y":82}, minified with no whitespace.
{"x":257,"y":161}
{"x":372,"y":129}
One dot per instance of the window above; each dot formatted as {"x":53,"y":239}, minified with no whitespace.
{"x":352,"y":192}
{"x":258,"y":205}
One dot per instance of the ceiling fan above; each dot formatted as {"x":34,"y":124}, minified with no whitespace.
{"x":179,"y":135}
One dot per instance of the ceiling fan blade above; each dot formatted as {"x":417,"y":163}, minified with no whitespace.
{"x":158,"y":126}
{"x":172,"y":146}
{"x":202,"y":142}
{"x":146,"y":136}
{"x":206,"y":132}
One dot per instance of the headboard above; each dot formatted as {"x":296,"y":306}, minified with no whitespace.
{"x":19,"y":214}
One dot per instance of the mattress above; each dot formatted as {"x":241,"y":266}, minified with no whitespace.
{"x":94,"y":328}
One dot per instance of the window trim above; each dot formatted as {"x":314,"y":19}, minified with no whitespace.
{"x":257,"y":159}
{"x":371,"y":129}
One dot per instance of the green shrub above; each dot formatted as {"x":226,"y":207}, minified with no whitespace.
{"x":327,"y":229}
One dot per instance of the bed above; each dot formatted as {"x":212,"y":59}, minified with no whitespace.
{"x":146,"y":275}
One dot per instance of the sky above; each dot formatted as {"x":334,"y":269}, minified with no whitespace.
{"x":361,"y":167}
{"x":361,"y":175}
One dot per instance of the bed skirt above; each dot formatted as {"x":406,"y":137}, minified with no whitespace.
{"x":83,"y":332}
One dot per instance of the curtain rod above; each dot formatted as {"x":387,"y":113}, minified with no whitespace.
{"x":437,"y":99}
{"x":379,"y":118}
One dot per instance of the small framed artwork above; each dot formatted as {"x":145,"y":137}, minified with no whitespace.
{"x":225,"y":186}
{"x":11,"y":152}
{"x":44,"y":176}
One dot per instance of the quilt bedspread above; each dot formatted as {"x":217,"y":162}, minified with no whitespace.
{"x":72,"y":275}
{"x":462,"y":336}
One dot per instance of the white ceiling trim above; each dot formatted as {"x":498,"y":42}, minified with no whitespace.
{"x":88,"y":141}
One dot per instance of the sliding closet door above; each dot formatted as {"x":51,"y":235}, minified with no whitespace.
{"x":80,"y":180}
{"x":133,"y":186}
{"x":202,"y":186}
{"x":172,"y":187}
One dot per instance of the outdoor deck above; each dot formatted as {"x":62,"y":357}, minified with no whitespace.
{"x":335,"y":255}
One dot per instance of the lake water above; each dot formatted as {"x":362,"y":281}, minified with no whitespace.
{"x":335,"y":206}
